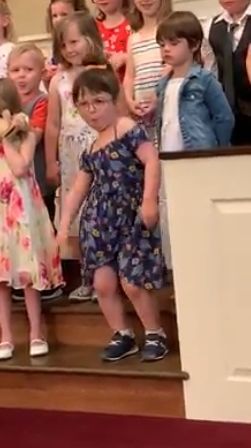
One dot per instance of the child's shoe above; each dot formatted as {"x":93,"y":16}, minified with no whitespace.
{"x":38,"y":347}
{"x":81,"y":294}
{"x":6,"y":350}
{"x":119,"y":347}
{"x":155,"y":347}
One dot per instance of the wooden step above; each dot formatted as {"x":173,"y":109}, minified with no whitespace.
{"x":84,"y":324}
{"x":74,"y":378}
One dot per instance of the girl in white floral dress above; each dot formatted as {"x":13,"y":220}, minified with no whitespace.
{"x":29,"y":256}
{"x":77,"y":43}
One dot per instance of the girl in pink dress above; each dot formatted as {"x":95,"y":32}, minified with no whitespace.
{"x":29,"y":256}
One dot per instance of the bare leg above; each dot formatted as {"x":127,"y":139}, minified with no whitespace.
{"x":5,"y":313}
{"x":145,"y":306}
{"x":33,"y":307}
{"x":106,"y":286}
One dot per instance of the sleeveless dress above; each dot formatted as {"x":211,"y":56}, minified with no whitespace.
{"x":115,"y":40}
{"x":148,"y":70}
{"x":29,"y":254}
{"x":75,"y":137}
{"x":111,"y":230}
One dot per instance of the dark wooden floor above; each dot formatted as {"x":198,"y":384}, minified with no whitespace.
{"x":73,"y":377}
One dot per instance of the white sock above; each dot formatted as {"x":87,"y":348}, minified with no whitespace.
{"x":159,"y":332}
{"x":127,"y":332}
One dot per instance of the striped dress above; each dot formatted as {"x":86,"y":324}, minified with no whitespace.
{"x":148,"y":70}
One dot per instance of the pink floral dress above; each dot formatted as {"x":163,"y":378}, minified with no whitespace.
{"x":29,"y":254}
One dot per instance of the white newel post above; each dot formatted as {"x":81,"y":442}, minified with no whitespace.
{"x":209,"y":213}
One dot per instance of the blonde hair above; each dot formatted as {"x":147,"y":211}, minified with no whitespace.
{"x":9,"y":33}
{"x":88,"y":29}
{"x":9,"y":98}
{"x":21,"y":49}
{"x":136,"y":19}
{"x":77,"y":5}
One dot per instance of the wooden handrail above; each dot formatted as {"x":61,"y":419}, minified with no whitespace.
{"x":212,"y":152}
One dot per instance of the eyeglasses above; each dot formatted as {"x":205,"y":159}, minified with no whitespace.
{"x":94,"y":105}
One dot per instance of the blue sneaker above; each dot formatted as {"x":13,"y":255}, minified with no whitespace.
{"x":155,"y":348}
{"x":119,"y":347}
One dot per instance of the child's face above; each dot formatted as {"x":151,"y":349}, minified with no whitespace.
{"x":148,"y":8}
{"x":59,"y":11}
{"x":75,"y":46}
{"x":176,"y":52}
{"x":26,"y":72}
{"x":108,"y":6}
{"x":234,"y":7}
{"x":97,"y":109}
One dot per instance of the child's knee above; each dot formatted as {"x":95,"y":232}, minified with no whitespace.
{"x":132,"y":291}
{"x":105,"y":282}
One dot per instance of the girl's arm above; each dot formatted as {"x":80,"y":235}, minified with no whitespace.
{"x":52,"y":130}
{"x":220,"y":111}
{"x":73,"y":201}
{"x":148,"y":155}
{"x":248,"y":63}
{"x":129,"y":76}
{"x":20,"y":160}
{"x":149,"y":208}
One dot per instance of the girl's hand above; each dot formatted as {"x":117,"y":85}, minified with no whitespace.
{"x":52,"y":174}
{"x":149,"y":213}
{"x":49,"y":72}
{"x":62,"y":235}
{"x":117,"y":60}
{"x":143,"y":107}
{"x":20,"y":122}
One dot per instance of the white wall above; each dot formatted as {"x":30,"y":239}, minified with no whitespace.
{"x":202,"y":8}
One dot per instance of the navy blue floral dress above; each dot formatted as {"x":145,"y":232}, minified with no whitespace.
{"x":111,"y":230}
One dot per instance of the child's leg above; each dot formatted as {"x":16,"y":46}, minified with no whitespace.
{"x":38,"y":346}
{"x":106,"y":286}
{"x":33,"y":307}
{"x":145,"y":306}
{"x":147,"y":309}
{"x":122,"y":343}
{"x":5,"y":313}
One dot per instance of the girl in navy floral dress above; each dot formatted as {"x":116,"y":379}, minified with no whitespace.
{"x":119,"y":235}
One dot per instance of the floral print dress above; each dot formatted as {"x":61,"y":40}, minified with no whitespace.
{"x":29,"y":254}
{"x":111,"y":230}
{"x":75,"y":137}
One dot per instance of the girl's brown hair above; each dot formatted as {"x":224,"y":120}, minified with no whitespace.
{"x":136,"y":19}
{"x":182,"y":25}
{"x":88,"y":28}
{"x":9,"y":33}
{"x":77,"y":5}
{"x":97,"y":80}
{"x":125,"y":10}
{"x":9,"y":98}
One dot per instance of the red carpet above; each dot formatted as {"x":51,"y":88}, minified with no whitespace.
{"x":39,"y":429}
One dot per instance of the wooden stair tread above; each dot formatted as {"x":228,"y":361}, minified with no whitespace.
{"x":86,"y":360}
{"x":62,"y":305}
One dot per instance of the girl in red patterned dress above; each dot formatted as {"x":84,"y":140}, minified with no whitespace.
{"x":115,"y":30}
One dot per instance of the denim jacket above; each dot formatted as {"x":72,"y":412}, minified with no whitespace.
{"x":205,"y":117}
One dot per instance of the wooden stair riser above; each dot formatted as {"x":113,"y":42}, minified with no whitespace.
{"x":92,"y":393}
{"x":85,"y":329}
